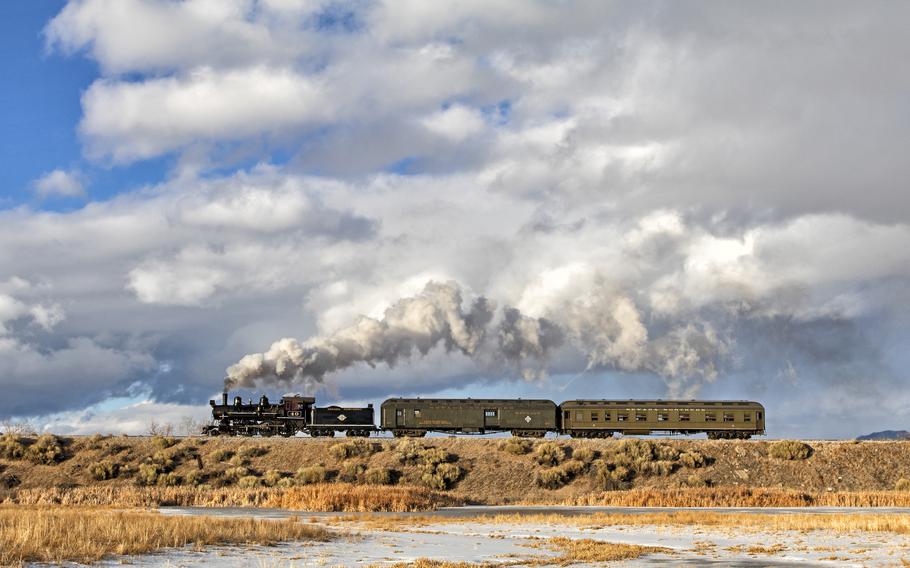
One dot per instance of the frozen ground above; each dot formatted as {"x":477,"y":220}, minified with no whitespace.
{"x":473,"y":541}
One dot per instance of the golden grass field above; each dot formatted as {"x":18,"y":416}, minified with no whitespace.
{"x":42,"y":534}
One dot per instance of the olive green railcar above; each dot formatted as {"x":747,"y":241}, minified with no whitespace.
{"x":417,"y":416}
{"x":719,"y":419}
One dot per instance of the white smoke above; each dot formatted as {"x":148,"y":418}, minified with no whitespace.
{"x":607,"y":327}
{"x":435,"y":316}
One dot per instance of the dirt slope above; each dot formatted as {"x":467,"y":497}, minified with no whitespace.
{"x":481,"y":470}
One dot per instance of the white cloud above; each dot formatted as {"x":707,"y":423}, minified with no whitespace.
{"x":455,"y":123}
{"x":129,"y":120}
{"x":697,"y":191}
{"x":60,"y":182}
{"x":131,"y":419}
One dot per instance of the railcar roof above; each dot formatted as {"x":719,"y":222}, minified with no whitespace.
{"x":587,"y":402}
{"x":483,"y":400}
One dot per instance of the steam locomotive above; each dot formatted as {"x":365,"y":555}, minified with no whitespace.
{"x":292,"y":414}
{"x":415,"y":417}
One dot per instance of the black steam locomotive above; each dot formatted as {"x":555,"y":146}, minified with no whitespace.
{"x":292,"y":414}
{"x":526,"y":418}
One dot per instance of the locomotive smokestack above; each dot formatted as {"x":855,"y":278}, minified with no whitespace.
{"x":224,"y":397}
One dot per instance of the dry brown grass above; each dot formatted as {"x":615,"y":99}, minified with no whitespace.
{"x":790,"y":450}
{"x":588,"y":550}
{"x":689,"y":520}
{"x":741,"y":497}
{"x":570,"y":551}
{"x":316,"y":497}
{"x":87,"y":535}
{"x":759,"y":522}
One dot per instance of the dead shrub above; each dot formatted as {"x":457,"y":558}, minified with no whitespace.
{"x":248,"y":482}
{"x":249,"y":452}
{"x":574,"y":467}
{"x":194,"y":477}
{"x":611,"y":477}
{"x":665,"y":452}
{"x":272,"y":477}
{"x":104,"y":470}
{"x":352,"y":448}
{"x":378,"y":476}
{"x":516,"y":446}
{"x":310,"y":474}
{"x":434,"y":456}
{"x":218,"y":456}
{"x":162,"y":459}
{"x":551,"y":478}
{"x":693,"y":459}
{"x":235,"y":473}
{"x":408,"y":451}
{"x":238,"y":461}
{"x":350,"y":472}
{"x":790,"y":450}
{"x":286,"y":482}
{"x":168,"y":480}
{"x":902,"y":484}
{"x":659,"y":468}
{"x":440,"y":476}
{"x":147,"y":474}
{"x":11,"y":448}
{"x":584,"y":455}
{"x":46,"y":450}
{"x":163,"y":442}
{"x":8,"y":481}
{"x":637,"y":450}
{"x":549,"y":453}
{"x":97,"y":442}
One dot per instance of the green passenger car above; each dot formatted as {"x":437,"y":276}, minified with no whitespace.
{"x":719,"y":419}
{"x":417,"y":416}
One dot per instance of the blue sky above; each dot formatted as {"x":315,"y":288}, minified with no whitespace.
{"x":40,"y":111}
{"x":365,"y":199}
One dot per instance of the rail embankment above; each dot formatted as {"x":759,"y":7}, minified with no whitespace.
{"x":407,"y":475}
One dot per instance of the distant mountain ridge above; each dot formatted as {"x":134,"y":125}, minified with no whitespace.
{"x":886,"y":435}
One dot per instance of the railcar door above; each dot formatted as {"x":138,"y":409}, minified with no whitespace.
{"x":491,"y":417}
{"x":400,"y":417}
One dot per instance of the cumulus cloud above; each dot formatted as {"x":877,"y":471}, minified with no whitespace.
{"x":670,"y":200}
{"x":60,"y":183}
{"x":129,"y":121}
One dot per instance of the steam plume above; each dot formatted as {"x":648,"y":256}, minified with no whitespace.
{"x":435,"y":316}
{"x":606,"y":327}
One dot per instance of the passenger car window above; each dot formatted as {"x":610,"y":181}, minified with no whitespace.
{"x":640,"y":417}
{"x":622,"y":416}
{"x":710,"y":417}
{"x":728,"y":417}
{"x":593,"y":417}
{"x":683,"y":416}
{"x":489,"y":413}
{"x":606,"y":416}
{"x":662,"y":416}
